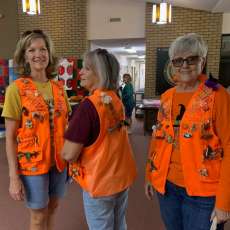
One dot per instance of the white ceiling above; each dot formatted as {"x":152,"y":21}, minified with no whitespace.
{"x":117,"y":46}
{"x":209,"y":5}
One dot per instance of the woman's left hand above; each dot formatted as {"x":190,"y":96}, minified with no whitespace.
{"x":71,"y":151}
{"x":222,"y":216}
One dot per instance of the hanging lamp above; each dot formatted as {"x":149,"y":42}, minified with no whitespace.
{"x":161,"y":13}
{"x":31,"y":7}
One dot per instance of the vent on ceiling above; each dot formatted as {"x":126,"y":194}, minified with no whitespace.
{"x":115,"y":19}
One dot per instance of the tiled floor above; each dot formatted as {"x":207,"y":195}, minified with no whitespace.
{"x":142,"y":214}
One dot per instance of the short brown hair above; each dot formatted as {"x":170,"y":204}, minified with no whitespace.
{"x":128,"y":76}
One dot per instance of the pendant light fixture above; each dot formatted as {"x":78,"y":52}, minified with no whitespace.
{"x":162,"y":13}
{"x":31,"y":7}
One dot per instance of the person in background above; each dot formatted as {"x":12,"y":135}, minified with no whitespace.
{"x":97,"y":145}
{"x":36,"y":114}
{"x":128,"y":98}
{"x":189,"y":155}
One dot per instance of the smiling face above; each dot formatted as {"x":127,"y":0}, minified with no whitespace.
{"x":37,"y":55}
{"x":187,"y":67}
{"x":89,"y":79}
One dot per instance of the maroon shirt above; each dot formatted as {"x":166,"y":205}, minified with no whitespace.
{"x":84,"y":126}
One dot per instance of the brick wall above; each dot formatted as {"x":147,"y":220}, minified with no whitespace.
{"x":207,"y":24}
{"x":65,"y":21}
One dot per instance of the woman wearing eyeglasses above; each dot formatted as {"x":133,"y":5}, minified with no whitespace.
{"x":189,"y":155}
{"x":36,"y":113}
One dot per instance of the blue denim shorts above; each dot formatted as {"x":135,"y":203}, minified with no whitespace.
{"x":40,"y":188}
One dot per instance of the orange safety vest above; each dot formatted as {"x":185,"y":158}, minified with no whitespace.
{"x":33,"y":136}
{"x":201,"y":151}
{"x":107,"y":166}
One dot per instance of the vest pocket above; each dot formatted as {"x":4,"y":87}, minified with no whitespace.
{"x":29,"y":150}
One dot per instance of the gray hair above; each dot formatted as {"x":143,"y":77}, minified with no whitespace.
{"x":188,"y":43}
{"x":105,"y":66}
{"x":24,"y":42}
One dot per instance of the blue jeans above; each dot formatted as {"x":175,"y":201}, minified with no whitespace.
{"x":106,"y":213}
{"x":180,"y":211}
{"x":40,"y":188}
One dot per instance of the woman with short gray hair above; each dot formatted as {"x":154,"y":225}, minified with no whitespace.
{"x":97,"y":145}
{"x":189,"y":157}
{"x":191,"y":42}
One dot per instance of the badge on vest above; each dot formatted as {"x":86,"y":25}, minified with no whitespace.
{"x":169,"y":139}
{"x":25,"y":81}
{"x":75,"y":172}
{"x":34,"y":169}
{"x":187,"y":135}
{"x":205,"y":131}
{"x":118,"y":125}
{"x":27,"y":155}
{"x":38,"y":116}
{"x":152,"y":166}
{"x":25,"y":111}
{"x":210,"y":154}
{"x":204,"y":172}
{"x":57,"y":113}
{"x":29,"y":124}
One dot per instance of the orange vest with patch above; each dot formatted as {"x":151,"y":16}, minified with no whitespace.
{"x":107,"y":166}
{"x":201,"y":151}
{"x":33,"y":136}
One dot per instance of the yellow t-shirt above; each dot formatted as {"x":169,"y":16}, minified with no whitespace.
{"x":12,"y":106}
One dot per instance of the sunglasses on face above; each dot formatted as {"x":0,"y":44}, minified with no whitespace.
{"x":191,"y":60}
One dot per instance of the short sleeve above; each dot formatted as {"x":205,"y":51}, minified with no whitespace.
{"x":12,"y":105}
{"x":84,"y":126}
{"x":69,"y":109}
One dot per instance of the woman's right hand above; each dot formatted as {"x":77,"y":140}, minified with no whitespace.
{"x":16,"y":189}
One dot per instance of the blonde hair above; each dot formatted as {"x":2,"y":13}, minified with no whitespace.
{"x":24,"y":42}
{"x":105,"y":66}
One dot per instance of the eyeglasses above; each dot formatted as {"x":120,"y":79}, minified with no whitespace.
{"x":28,"y":32}
{"x":191,"y":60}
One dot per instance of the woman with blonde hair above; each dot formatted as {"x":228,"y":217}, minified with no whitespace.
{"x":97,"y":145}
{"x":36,"y":114}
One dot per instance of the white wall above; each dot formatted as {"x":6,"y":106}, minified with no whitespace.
{"x":131,"y":12}
{"x":226,"y":23}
